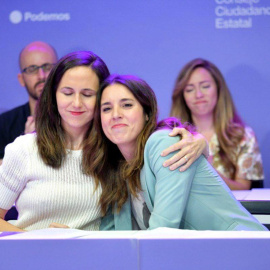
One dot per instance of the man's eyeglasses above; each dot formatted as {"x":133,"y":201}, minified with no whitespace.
{"x":34,"y":69}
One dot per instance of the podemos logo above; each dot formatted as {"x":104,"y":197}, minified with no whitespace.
{"x":17,"y":16}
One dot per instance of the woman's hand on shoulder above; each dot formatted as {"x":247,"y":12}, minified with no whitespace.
{"x":190,"y":147}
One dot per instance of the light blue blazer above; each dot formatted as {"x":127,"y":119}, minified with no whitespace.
{"x":197,"y":199}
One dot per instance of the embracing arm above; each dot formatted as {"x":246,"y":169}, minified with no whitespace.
{"x":191,"y":146}
{"x":169,"y":190}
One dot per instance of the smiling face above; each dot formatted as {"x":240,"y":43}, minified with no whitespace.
{"x":200,"y":93}
{"x":76,"y":98}
{"x":122,"y":118}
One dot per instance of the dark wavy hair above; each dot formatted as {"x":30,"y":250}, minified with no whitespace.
{"x":50,"y":134}
{"x":106,"y":162}
{"x":173,"y":122}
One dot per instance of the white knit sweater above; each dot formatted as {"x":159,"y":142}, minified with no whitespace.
{"x":44,"y":195}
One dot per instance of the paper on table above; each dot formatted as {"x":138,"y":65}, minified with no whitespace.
{"x":160,"y":233}
{"x":49,"y":233}
{"x":259,"y":194}
{"x":169,"y":233}
{"x":111,"y":235}
{"x":2,"y":234}
{"x":241,"y":194}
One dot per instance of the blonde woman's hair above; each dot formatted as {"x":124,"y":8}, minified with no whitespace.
{"x":228,"y":125}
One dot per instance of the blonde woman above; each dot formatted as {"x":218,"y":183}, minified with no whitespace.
{"x":202,"y":98}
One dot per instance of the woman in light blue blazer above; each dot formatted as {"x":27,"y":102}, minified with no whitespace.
{"x":127,"y":163}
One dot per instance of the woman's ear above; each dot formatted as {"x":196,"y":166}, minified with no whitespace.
{"x":146,"y":117}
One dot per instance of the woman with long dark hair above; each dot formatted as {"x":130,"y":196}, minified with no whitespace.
{"x":42,"y":171}
{"x":126,"y":142}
